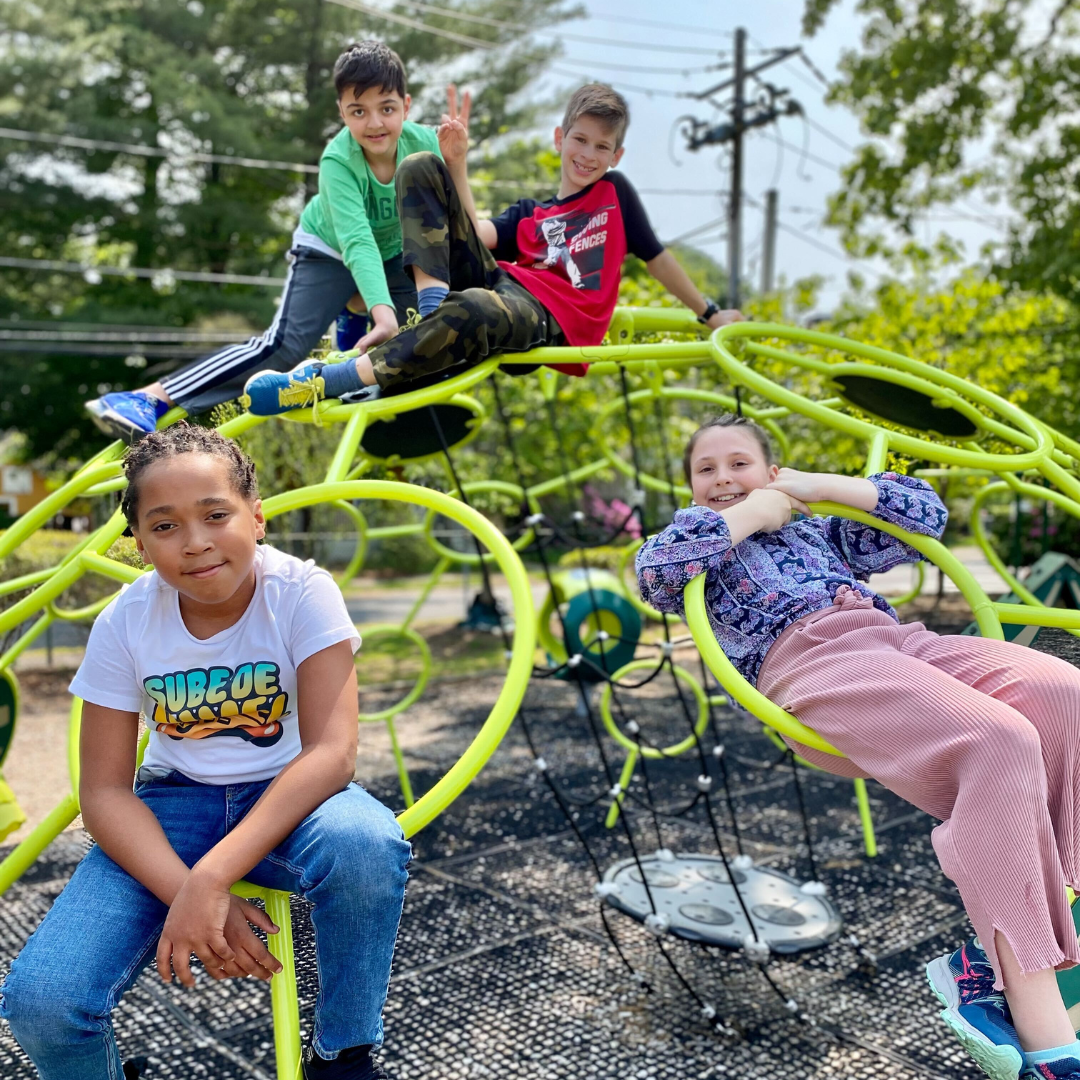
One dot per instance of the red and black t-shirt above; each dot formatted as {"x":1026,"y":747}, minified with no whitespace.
{"x":568,"y":252}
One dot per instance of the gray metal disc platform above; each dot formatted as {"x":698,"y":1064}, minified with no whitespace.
{"x":701,"y":902}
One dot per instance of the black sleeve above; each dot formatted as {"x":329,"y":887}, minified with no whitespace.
{"x":640,"y":238}
{"x":506,"y":225}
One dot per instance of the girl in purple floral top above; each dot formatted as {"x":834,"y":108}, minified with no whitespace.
{"x":982,"y":734}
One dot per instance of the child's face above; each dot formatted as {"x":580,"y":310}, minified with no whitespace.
{"x":374,"y":119}
{"x":196,"y":529}
{"x":725,"y":466}
{"x":587,"y":151}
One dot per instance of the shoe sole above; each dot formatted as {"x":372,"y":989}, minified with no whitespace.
{"x":112,"y":423}
{"x":998,"y":1062}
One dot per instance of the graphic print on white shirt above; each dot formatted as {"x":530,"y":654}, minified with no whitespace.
{"x":221,"y":710}
{"x":247,"y":701}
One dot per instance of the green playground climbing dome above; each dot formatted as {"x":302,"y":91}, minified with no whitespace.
{"x":590,"y":627}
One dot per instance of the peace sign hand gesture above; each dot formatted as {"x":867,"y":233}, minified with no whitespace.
{"x":453,"y":131}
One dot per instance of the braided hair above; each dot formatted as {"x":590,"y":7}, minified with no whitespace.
{"x":730,"y":420}
{"x":184,"y":438}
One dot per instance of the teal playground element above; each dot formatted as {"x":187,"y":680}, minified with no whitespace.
{"x":1054,"y":580}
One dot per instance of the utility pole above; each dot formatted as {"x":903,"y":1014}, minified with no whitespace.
{"x":734,"y":224}
{"x":768,"y":260}
{"x":770,"y":105}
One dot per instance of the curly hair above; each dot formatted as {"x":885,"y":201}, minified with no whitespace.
{"x":184,"y":438}
{"x":730,"y":420}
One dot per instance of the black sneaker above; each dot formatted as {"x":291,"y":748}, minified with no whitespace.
{"x":135,"y":1067}
{"x":356,"y":1063}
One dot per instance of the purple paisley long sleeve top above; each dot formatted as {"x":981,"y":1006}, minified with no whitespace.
{"x":758,"y":588}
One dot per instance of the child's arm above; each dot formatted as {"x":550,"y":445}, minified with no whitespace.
{"x":126,"y":829}
{"x":454,"y":144}
{"x":359,"y":252}
{"x":901,"y":500}
{"x":854,"y":491}
{"x":699,"y":538}
{"x":666,"y":269}
{"x":327,"y":695}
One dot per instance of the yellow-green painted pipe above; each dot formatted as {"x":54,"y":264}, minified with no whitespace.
{"x":510,"y":696}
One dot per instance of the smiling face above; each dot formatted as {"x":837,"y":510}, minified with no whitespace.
{"x":198,"y":530}
{"x":374,"y":119}
{"x":726,"y":464}
{"x":587,"y":150}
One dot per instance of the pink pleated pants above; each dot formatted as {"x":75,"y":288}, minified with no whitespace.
{"x":983,"y":735}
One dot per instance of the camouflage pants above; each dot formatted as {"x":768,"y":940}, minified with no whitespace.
{"x":486,"y":310}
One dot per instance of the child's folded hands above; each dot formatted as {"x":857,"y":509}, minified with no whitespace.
{"x":212,"y":923}
{"x":807,"y":487}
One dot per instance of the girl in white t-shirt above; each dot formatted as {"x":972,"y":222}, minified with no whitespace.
{"x":240,"y":659}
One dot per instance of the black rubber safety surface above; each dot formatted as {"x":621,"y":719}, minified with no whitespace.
{"x":503,"y":969}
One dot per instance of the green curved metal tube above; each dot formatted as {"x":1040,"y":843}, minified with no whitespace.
{"x":506,"y":705}
{"x":920,"y":375}
{"x":985,"y":611}
{"x":34,"y":518}
{"x":360,"y":551}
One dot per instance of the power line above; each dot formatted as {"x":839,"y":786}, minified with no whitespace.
{"x":648,"y":70}
{"x":151,"y":151}
{"x":836,"y":253}
{"x":150,"y":352}
{"x":814,"y":70}
{"x":61,"y":331}
{"x":163,"y":275}
{"x":821,"y":129}
{"x":649,"y":91}
{"x":662,"y":25}
{"x":486,"y":20}
{"x":804,"y":153}
{"x":696,"y":230}
{"x":415,"y":24}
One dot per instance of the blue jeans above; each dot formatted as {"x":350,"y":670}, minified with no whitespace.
{"x":348,"y":858}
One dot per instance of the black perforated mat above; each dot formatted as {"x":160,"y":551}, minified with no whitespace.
{"x":503,"y":969}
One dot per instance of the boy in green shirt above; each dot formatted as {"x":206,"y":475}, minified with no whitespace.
{"x":348,"y":242}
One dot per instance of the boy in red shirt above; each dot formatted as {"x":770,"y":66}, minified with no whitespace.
{"x":541,"y":273}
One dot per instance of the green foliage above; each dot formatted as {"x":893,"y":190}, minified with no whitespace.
{"x":1040,"y":527}
{"x":979,"y":99}
{"x":232,"y":77}
{"x":599,"y":558}
{"x":45,"y":549}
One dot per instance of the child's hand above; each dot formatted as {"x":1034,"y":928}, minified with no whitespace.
{"x":195,"y":924}
{"x":453,"y":131}
{"x":724,"y":318}
{"x":805,"y":486}
{"x":772,"y":508}
{"x":384,"y":326}
{"x":252,"y":956}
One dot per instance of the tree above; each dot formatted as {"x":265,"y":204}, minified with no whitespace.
{"x":219,"y":77}
{"x":977,"y":99}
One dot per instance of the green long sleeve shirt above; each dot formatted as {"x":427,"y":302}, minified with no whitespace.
{"x":355,"y":215}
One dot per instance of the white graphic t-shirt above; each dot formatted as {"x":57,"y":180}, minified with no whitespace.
{"x":221,"y":710}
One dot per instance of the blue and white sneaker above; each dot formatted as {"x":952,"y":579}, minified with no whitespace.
{"x":269,"y":393}
{"x":349,"y":329}
{"x":977,"y":1013}
{"x":127,"y":414}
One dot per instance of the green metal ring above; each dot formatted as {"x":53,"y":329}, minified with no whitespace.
{"x":625,"y":741}
{"x":387,"y":630}
{"x":917,"y":447}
